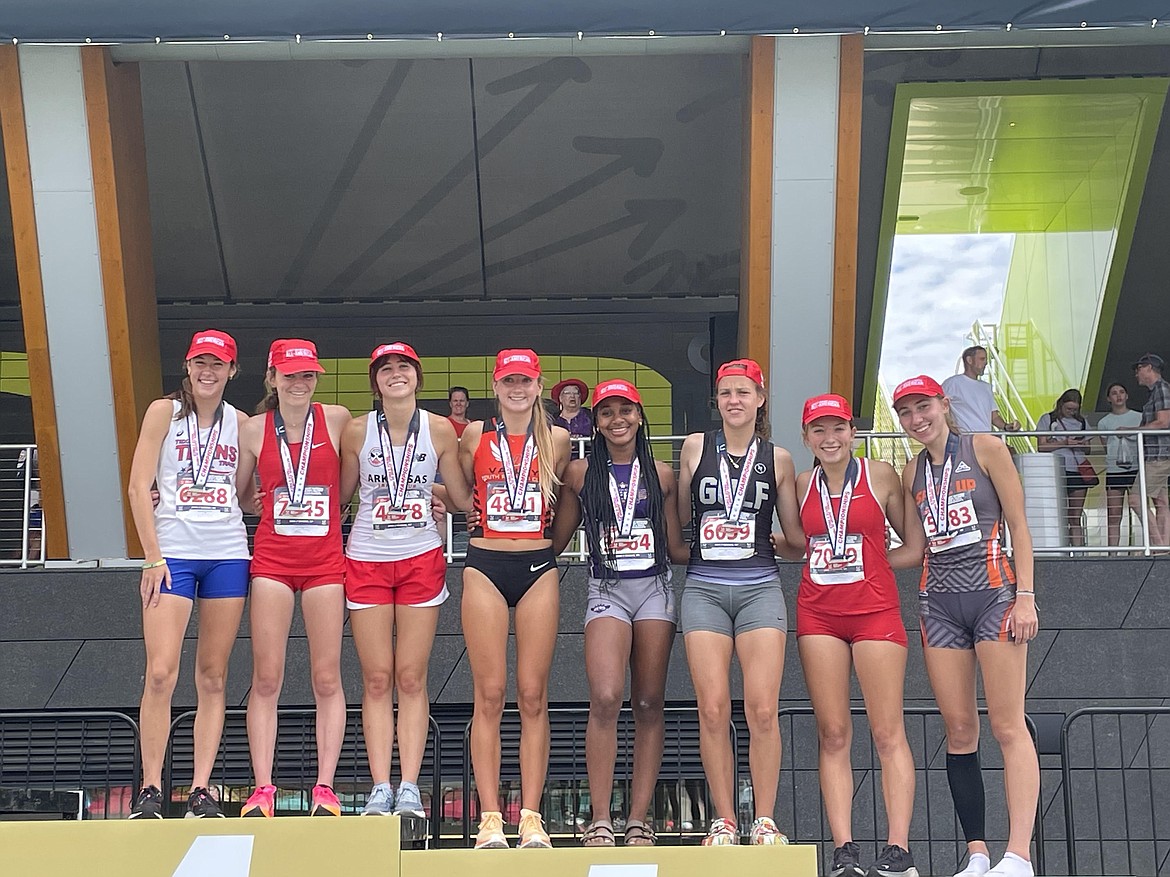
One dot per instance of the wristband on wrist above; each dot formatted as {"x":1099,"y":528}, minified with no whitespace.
{"x":155,"y":565}
{"x":1026,"y":593}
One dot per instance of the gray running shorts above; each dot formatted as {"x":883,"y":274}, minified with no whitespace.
{"x":650,"y":598}
{"x":732,"y":609}
{"x":959,"y":619}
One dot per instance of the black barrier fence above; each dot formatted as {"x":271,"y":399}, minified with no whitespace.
{"x":294,"y":766}
{"x":680,"y":801}
{"x":95,"y":752}
{"x":936,"y":839}
{"x":1115,"y":763}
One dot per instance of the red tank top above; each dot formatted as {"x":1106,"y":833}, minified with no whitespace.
{"x":293,"y":554}
{"x":498,"y":518}
{"x":862,"y":581}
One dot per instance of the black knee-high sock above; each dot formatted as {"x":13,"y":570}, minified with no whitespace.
{"x":965,"y":776}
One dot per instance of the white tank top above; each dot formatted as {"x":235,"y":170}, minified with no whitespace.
{"x":200,"y":523}
{"x":381,"y":531}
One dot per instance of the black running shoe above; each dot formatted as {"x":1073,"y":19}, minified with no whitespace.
{"x":847,"y":861}
{"x":894,"y":862}
{"x":148,"y":804}
{"x":201,"y":805}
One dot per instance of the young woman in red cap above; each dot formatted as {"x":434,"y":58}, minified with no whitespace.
{"x":963,"y":488}
{"x":195,"y":547}
{"x":732,"y":482}
{"x":515,"y":464}
{"x":848,"y":617}
{"x":395,"y":569}
{"x":297,"y":549}
{"x":629,"y":504}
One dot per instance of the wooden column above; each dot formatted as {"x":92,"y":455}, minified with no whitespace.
{"x":845,"y":237}
{"x":755,"y":270}
{"x":32,"y":303}
{"x":117,"y":145}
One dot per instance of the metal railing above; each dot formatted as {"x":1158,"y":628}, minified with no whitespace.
{"x":22,"y":542}
{"x":936,"y":838}
{"x":681,"y":787}
{"x":1123,"y":753}
{"x":96,"y":752}
{"x":294,"y":763}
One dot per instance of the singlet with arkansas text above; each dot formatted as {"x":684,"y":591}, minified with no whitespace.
{"x":300,"y":518}
{"x":633,"y":539}
{"x":198,"y":515}
{"x":732,"y":507}
{"x":847,"y":571}
{"x":508,"y":501}
{"x":394,"y":520}
{"x":962,"y":517}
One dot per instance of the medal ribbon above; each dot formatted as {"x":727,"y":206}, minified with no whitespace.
{"x":623,"y":510}
{"x":397,"y":479}
{"x":515,"y":479}
{"x":298,"y":480}
{"x":204,"y":456}
{"x":936,"y":500}
{"x":837,"y":525}
{"x":733,"y":502}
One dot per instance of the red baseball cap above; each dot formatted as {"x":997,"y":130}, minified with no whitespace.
{"x":922,"y":385}
{"x":518,"y":361}
{"x":825,"y":405}
{"x":292,"y":355}
{"x":272,"y":349}
{"x":616,"y":388}
{"x":211,"y":341}
{"x":399,"y":347}
{"x":749,"y":368}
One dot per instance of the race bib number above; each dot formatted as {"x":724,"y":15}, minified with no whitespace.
{"x":415,"y":512}
{"x":634,"y":552}
{"x":309,"y":518}
{"x":211,"y":502}
{"x":502,"y":518}
{"x":824,"y":569}
{"x":962,"y":524}
{"x":723,"y":539}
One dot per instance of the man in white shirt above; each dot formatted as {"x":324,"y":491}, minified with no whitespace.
{"x":972,"y":402}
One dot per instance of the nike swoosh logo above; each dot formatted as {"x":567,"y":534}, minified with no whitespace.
{"x":539,"y":566}
{"x":319,"y":445}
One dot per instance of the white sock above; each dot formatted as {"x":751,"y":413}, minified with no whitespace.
{"x":977,"y":865}
{"x":1012,"y":865}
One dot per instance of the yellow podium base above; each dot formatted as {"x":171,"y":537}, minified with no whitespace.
{"x":795,"y":860}
{"x":369,"y":847}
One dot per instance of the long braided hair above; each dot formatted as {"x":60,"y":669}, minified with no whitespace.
{"x":597,"y":505}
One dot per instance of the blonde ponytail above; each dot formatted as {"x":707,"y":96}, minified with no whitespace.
{"x":546,"y":452}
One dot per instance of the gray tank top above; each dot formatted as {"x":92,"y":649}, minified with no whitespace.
{"x":963,"y":550}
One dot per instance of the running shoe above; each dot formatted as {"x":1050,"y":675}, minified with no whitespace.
{"x":723,"y":832}
{"x":1012,"y":865}
{"x":409,"y":801}
{"x":380,"y":802}
{"x":978,"y":864}
{"x":765,"y":832}
{"x":325,"y":803}
{"x":491,"y":831}
{"x":261,"y":802}
{"x":847,"y":861}
{"x":893,"y":862}
{"x":202,"y":805}
{"x":532,"y":833}
{"x":148,"y":804}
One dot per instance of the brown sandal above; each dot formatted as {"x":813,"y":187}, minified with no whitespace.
{"x":640,"y":834}
{"x":598,"y":834}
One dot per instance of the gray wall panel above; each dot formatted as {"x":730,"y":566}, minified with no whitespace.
{"x":32,"y":670}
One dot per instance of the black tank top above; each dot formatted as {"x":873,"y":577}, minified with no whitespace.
{"x":759,"y":507}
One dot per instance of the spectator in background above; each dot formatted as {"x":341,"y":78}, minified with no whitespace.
{"x":570,"y":394}
{"x":972,"y":402}
{"x":1121,"y":459}
{"x":1156,"y":415}
{"x":457,"y":399}
{"x":1066,"y":417}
